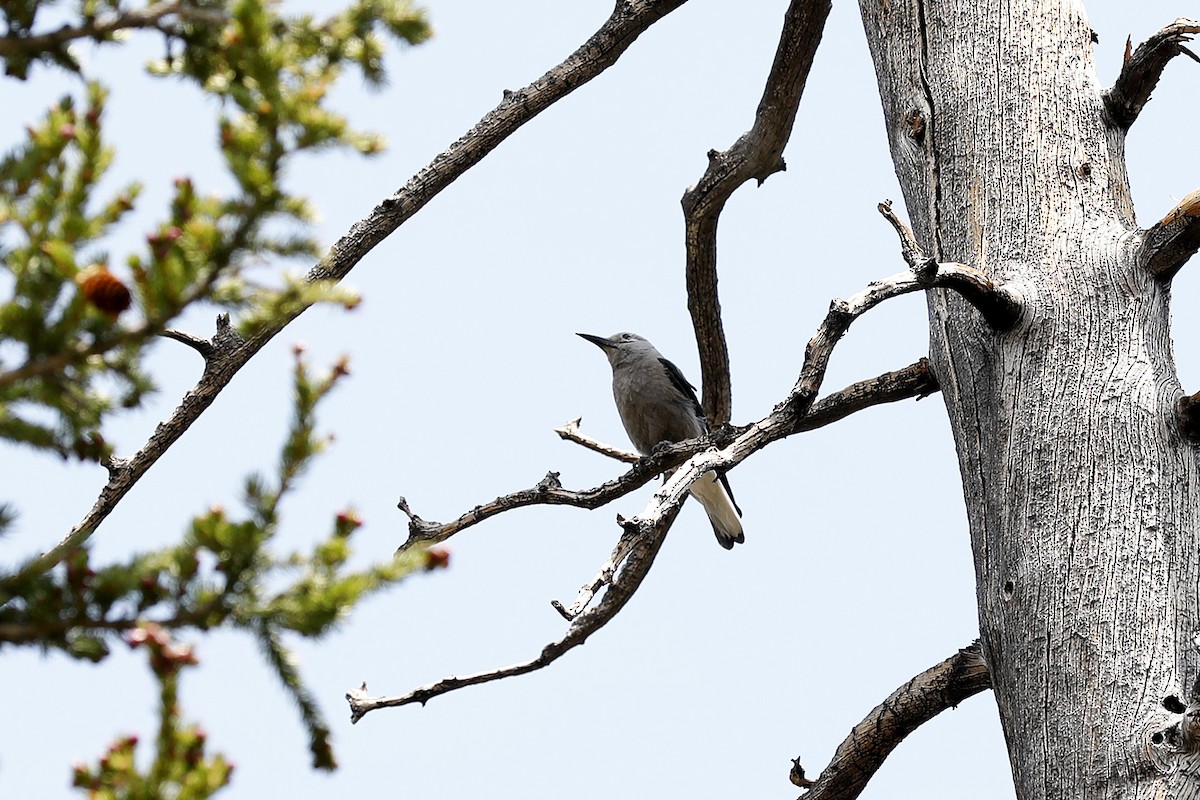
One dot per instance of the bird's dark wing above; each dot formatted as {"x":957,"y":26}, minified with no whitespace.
{"x":725,"y":482}
{"x":689,"y":391}
{"x":685,"y":388}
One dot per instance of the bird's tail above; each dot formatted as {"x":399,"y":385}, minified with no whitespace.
{"x":713,"y":493}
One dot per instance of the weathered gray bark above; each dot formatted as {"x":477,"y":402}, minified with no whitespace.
{"x":1080,"y":491}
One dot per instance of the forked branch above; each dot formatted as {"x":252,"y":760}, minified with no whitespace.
{"x":629,"y":20}
{"x":915,"y":380}
{"x":547,"y":491}
{"x":757,"y":154}
{"x":1167,"y":246}
{"x":999,"y":305}
{"x":641,"y":552}
{"x":1143,"y":67}
{"x":871,"y":741}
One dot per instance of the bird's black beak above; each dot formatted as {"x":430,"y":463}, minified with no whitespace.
{"x":599,"y":341}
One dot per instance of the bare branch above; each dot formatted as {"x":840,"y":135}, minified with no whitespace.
{"x":757,"y":154}
{"x":842,"y":314}
{"x":1142,"y":69}
{"x":999,"y":305}
{"x":630,"y":18}
{"x":198,"y":343}
{"x":647,"y":529}
{"x":230,"y":352}
{"x":156,"y":15}
{"x":571,"y":433}
{"x":862,"y":753}
{"x":636,"y":565}
{"x":548,"y":491}
{"x":1167,"y":246}
{"x":604,"y":576}
{"x":912,"y":253}
{"x":915,"y":380}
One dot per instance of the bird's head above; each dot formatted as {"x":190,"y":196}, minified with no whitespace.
{"x":620,"y":346}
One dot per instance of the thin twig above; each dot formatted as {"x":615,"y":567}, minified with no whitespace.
{"x":757,"y":154}
{"x":1142,"y":69}
{"x":603,"y":577}
{"x":198,"y":343}
{"x":571,"y":433}
{"x":998,"y":304}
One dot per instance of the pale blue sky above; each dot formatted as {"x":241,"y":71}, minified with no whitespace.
{"x":856,"y":573}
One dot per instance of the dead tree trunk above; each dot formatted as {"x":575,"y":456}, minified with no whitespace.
{"x":1080,"y":486}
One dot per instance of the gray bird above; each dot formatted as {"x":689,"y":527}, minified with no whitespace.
{"x":657,"y":404}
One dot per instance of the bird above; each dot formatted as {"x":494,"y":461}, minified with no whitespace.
{"x":657,"y":404}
